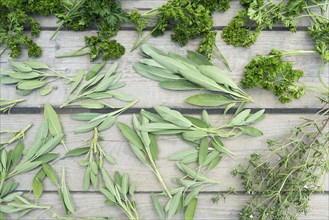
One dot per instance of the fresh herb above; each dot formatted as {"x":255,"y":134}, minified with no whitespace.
{"x":120,"y":193}
{"x":29,"y":76}
{"x":97,"y":120}
{"x":258,"y":15}
{"x":187,"y":19}
{"x":282,"y":182}
{"x":107,"y":16}
{"x":15,"y":20}
{"x":175,"y":72}
{"x":93,"y":161}
{"x":13,"y":135}
{"x":6,"y":104}
{"x":272,"y":73}
{"x":144,"y":145}
{"x":97,"y":87}
{"x":223,"y":196}
{"x":65,"y":195}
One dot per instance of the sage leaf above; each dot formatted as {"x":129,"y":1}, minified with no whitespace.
{"x":45,"y":91}
{"x":251,"y":131}
{"x":173,"y":116}
{"x":208,"y":100}
{"x":158,"y":207}
{"x":67,"y":198}
{"x":94,"y":70}
{"x":21,"y":67}
{"x":36,"y":65}
{"x":203,"y":151}
{"x":131,"y":135}
{"x":20,"y":75}
{"x":107,"y":123}
{"x":173,"y":203}
{"x":37,"y":188}
{"x":197,"y":58}
{"x":190,"y":211}
{"x":54,"y":123}
{"x":31,"y":84}
{"x":77,"y":152}
{"x":84,"y":116}
{"x":6,"y":80}
{"x":77,"y":80}
{"x":179,"y":85}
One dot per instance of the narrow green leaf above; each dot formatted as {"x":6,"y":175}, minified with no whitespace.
{"x":45,"y":91}
{"x":94,"y":70}
{"x":152,"y":117}
{"x":130,"y":135}
{"x":155,"y":73}
{"x":181,"y":155}
{"x":173,"y":203}
{"x":67,"y":198}
{"x":49,"y":145}
{"x":121,"y":96}
{"x":117,"y":178}
{"x":153,"y":127}
{"x":37,"y":188}
{"x":6,"y":80}
{"x":192,"y":195}
{"x":214,"y":162}
{"x":77,"y":80}
{"x":77,"y":152}
{"x":153,"y":146}
{"x":240,"y":118}
{"x":107,"y":123}
{"x":36,"y":65}
{"x":51,"y":174}
{"x":88,"y":126}
{"x":20,"y":75}
{"x":21,"y":67}
{"x":26,"y":167}
{"x":31,"y":84}
{"x":208,"y":100}
{"x":179,"y":85}
{"x":218,"y":75}
{"x":46,"y":158}
{"x":112,"y":69}
{"x":54,"y":123}
{"x":17,"y":153}
{"x":256,"y":116}
{"x":197,"y":58}
{"x":173,"y":116}
{"x":190,"y":211}
{"x":86,"y":179}
{"x":158,"y":207}
{"x":197,"y":122}
{"x":251,"y":131}
{"x":194,"y":135}
{"x":91,"y":105}
{"x":108,"y":182}
{"x":125,"y":184}
{"x":203,"y":151}
{"x":150,"y":62}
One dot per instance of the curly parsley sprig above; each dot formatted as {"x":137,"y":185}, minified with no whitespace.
{"x":272,"y":73}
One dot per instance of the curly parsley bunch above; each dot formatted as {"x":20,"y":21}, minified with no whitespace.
{"x":187,"y":19}
{"x":15,"y":20}
{"x":320,"y":33}
{"x":273,"y":74}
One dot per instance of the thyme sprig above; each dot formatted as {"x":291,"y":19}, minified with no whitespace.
{"x":7,"y":104}
{"x":282,"y":182}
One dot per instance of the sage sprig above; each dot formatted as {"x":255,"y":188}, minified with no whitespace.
{"x":98,"y":120}
{"x":97,"y":87}
{"x":93,"y":160}
{"x":192,"y":129}
{"x":13,"y":135}
{"x":144,"y":145}
{"x":6,"y":104}
{"x":175,"y":72}
{"x":31,"y":75}
{"x":120,"y":193}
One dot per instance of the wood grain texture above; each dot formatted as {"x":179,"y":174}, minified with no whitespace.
{"x":92,"y":204}
{"x":149,"y":91}
{"x":116,"y":145}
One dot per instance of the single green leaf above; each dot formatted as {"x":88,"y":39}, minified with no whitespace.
{"x":45,"y":91}
{"x":20,"y":75}
{"x":197,"y":122}
{"x":190,"y":211}
{"x":150,"y":62}
{"x":112,"y":69}
{"x":49,"y":145}
{"x":197,"y":58}
{"x":173,"y":116}
{"x":91,"y":105}
{"x":181,"y":155}
{"x":203,"y":151}
{"x":214,"y":162}
{"x":121,"y":96}
{"x":240,"y":118}
{"x":77,"y":152}
{"x":23,"y":92}
{"x":37,"y":188}
{"x":51,"y":173}
{"x":21,"y":67}
{"x":208,"y":100}
{"x":46,"y":158}
{"x":86,"y":179}
{"x":155,"y":73}
{"x":158,"y":207}
{"x":67,"y":198}
{"x":31,"y":84}
{"x":179,"y":85}
{"x":107,"y":123}
{"x":130,"y":135}
{"x":173,"y":203}
{"x":6,"y":80}
{"x":218,"y":75}
{"x":153,"y":127}
{"x":94,"y":70}
{"x":108,"y":182}
{"x":54,"y":123}
{"x":36,"y":65}
{"x":194,"y":135}
{"x":152,"y":117}
{"x":256,"y":116}
{"x":117,"y":178}
{"x":153,"y":146}
{"x":251,"y":131}
{"x":192,"y":195}
{"x":77,"y":80}
{"x":88,"y":126}
{"x":17,"y":153}
{"x":125,"y":184}
{"x":26,"y":167}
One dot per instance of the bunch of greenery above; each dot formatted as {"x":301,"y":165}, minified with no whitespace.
{"x":281,"y":182}
{"x":272,"y":73}
{"x":176,"y":72}
{"x":20,"y":160}
{"x":107,"y":16}
{"x":31,"y":75}
{"x":258,"y":15}
{"x":98,"y":86}
{"x":16,"y":19}
{"x":188,"y":19}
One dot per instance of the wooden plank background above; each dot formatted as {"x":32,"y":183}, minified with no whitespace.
{"x":279,"y":121}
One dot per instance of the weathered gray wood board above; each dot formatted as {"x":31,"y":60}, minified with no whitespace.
{"x":90,"y":203}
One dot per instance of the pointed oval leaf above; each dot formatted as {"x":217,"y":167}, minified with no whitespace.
{"x":208,"y":100}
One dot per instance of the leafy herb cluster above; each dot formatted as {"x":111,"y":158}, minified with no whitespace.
{"x":272,"y":73}
{"x":31,"y":75}
{"x":258,"y":15}
{"x":176,"y":72}
{"x":107,"y":16}
{"x":15,"y":19}
{"x":187,"y":19}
